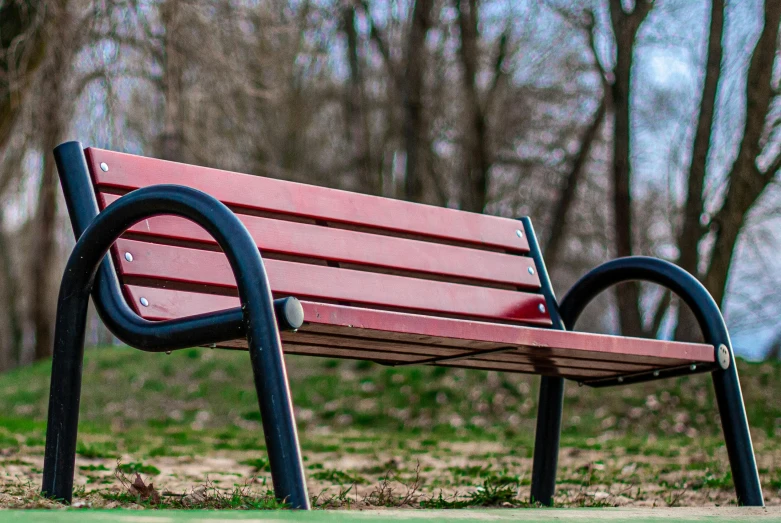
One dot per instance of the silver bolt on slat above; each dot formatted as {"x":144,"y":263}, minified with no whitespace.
{"x":518,"y":233}
{"x":144,"y":302}
{"x":128,"y":257}
{"x":104,"y":167}
{"x":656,"y":374}
{"x":692,"y":367}
{"x":541,"y":308}
{"x":620,"y":379}
{"x":531,"y":270}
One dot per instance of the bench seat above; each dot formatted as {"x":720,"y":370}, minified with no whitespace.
{"x":395,"y":338}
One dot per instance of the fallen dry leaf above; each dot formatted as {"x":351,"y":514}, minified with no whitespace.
{"x":144,"y":492}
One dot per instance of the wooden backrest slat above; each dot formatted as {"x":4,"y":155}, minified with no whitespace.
{"x":192,"y":267}
{"x":128,"y":172}
{"x":343,"y":246}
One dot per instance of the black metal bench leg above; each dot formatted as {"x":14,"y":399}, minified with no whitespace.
{"x":276,"y":412}
{"x":546,"y":442}
{"x":65,"y":392}
{"x":736,"y":434}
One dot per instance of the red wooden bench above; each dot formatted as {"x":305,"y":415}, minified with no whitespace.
{"x":354,"y":276}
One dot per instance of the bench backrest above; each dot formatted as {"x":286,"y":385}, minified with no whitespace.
{"x":322,"y":245}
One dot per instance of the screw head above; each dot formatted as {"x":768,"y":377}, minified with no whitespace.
{"x":620,"y":379}
{"x":692,"y":367}
{"x":723,"y":356}
{"x":656,"y":374}
{"x":519,"y":233}
{"x":128,"y":256}
{"x":104,"y":166}
{"x":144,"y":302}
{"x":531,"y":270}
{"x":541,"y":308}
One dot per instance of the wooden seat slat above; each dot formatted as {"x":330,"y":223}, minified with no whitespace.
{"x":128,"y":172}
{"x":339,"y":245}
{"x":475,"y":363}
{"x":519,"y":355}
{"x":580,"y":349}
{"x":579,"y":374}
{"x":198,"y":267}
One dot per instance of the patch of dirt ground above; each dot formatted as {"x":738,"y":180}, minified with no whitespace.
{"x":450,"y":475}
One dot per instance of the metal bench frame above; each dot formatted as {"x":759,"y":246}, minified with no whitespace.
{"x":90,"y":272}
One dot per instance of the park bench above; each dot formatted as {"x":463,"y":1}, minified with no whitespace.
{"x":344,"y":275}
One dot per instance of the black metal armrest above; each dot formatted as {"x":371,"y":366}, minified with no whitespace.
{"x":653,"y":270}
{"x":256,"y":313}
{"x":725,"y":375}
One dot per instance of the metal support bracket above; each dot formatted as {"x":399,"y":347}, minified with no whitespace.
{"x":650,"y":375}
{"x":455,"y":357}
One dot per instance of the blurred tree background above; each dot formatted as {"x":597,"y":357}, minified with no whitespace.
{"x":620,"y":127}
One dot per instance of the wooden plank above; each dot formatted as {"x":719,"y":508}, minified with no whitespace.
{"x":518,"y":355}
{"x":354,"y":321}
{"x":385,"y":359}
{"x":503,"y":334}
{"x":196,"y":267}
{"x":127,"y":172}
{"x":547,"y":370}
{"x":339,"y":245}
{"x":562,"y":352}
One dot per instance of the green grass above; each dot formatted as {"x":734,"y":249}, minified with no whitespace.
{"x":199,"y":392}
{"x":144,"y":409}
{"x":438,"y":516}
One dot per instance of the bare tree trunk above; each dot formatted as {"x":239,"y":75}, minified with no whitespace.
{"x":53,"y":122}
{"x":625,"y":27}
{"x":355,"y":109}
{"x":415,"y":128}
{"x":42,"y":276}
{"x":10,"y":169}
{"x":476,"y":158}
{"x":569,"y":188}
{"x":22,"y":46}
{"x":746,"y":181}
{"x":11,"y":288}
{"x":172,"y":140}
{"x":692,"y":230}
{"x":408,"y":80}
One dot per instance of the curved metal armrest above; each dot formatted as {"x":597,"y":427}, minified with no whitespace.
{"x":257,"y":315}
{"x":181,"y":333}
{"x":725,"y":376}
{"x":653,"y":270}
